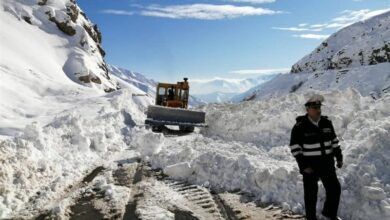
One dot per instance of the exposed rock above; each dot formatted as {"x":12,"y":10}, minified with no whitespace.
{"x":42,"y":2}
{"x":63,"y":26}
{"x":296,"y":87}
{"x":103,"y":66}
{"x":108,"y":90}
{"x":96,"y":35}
{"x":101,"y":51}
{"x":27,"y":19}
{"x":89,"y":79}
{"x":72,"y":11}
{"x":99,"y":34}
{"x":380,"y":55}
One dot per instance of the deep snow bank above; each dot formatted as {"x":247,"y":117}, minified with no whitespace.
{"x":246,"y":148}
{"x":40,"y":162}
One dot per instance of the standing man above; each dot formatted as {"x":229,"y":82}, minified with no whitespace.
{"x":171,"y":94}
{"x":314,"y":145}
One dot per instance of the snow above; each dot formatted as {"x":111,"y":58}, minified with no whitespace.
{"x":45,"y":159}
{"x":156,"y":200}
{"x":245,"y":151}
{"x":226,"y":85}
{"x":216,"y":97}
{"x":147,"y":143}
{"x":179,"y":170}
{"x":222,"y":90}
{"x":135,"y":79}
{"x":374,"y":193}
{"x":245,"y":148}
{"x":118,"y":196}
{"x":362,"y":43}
{"x":371,"y":80}
{"x":38,"y":63}
{"x":45,"y":50}
{"x":54,"y":129}
{"x":164,"y":201}
{"x":356,"y":56}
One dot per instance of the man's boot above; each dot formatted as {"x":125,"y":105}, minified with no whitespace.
{"x":331,"y":218}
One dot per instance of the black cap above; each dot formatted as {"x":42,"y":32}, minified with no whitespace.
{"x":313,"y":104}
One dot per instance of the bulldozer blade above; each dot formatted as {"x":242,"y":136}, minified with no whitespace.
{"x":149,"y":121}
{"x":160,"y":115}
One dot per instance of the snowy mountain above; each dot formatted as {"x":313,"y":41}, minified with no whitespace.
{"x":126,"y":77}
{"x":216,"y":97}
{"x":250,"y":93}
{"x":356,"y":56}
{"x":51,"y":56}
{"x":77,"y":53}
{"x":222,"y":90}
{"x":195,"y":101}
{"x":364,"y":43}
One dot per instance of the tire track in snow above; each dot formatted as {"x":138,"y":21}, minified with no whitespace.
{"x":199,"y":196}
{"x":47,"y":214}
{"x":201,"y":203}
{"x":96,"y":205}
{"x":238,"y":209}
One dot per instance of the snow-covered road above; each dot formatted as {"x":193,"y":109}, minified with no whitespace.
{"x":132,"y":190}
{"x":244,"y":150}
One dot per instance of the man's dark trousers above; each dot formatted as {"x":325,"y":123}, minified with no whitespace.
{"x":327,"y":173}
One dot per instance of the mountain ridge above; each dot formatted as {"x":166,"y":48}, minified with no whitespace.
{"x":363,"y":43}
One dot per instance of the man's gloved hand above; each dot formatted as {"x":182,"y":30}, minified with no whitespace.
{"x":308,"y":170}
{"x":339,"y":164}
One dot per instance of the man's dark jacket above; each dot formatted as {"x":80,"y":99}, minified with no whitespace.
{"x":310,"y":143}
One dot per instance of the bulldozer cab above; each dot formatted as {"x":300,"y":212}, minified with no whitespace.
{"x":171,"y":108}
{"x":173,"y":95}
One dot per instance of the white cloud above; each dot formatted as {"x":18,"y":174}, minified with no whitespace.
{"x":298,"y":29}
{"x":346,"y":18}
{"x":312,"y":36}
{"x":350,"y":16}
{"x":261,"y":71}
{"x":253,"y":1}
{"x":318,"y":25}
{"x":117,"y":12}
{"x":204,"y":11}
{"x":196,"y":11}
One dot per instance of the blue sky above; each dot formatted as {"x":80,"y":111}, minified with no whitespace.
{"x":169,"y":39}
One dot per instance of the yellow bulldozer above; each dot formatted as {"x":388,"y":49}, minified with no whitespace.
{"x":171,"y":108}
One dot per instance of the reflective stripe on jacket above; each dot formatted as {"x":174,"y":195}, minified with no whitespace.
{"x":309,"y":141}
